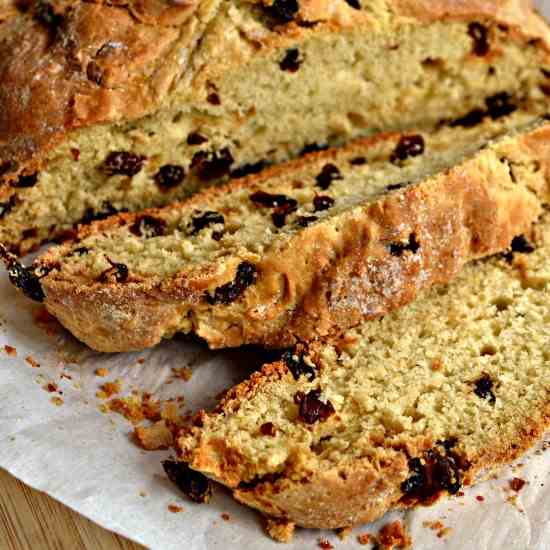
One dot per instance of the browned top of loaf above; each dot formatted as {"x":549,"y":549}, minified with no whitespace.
{"x":72,"y":63}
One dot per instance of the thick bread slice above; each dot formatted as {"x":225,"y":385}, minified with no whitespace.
{"x":400,"y":410}
{"x":109,"y":107}
{"x":304,"y":249}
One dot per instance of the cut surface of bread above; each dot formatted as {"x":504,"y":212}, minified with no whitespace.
{"x":303,"y":249}
{"x":399,"y":410}
{"x":107,"y":108}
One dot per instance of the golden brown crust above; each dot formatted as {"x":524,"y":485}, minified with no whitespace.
{"x":136,"y":47}
{"x":322,"y":279}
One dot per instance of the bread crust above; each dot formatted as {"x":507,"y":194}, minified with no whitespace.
{"x":323,"y":279}
{"x":142,"y":40}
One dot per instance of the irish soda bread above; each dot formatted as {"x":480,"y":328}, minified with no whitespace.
{"x":110,"y":106}
{"x":300,"y":249}
{"x":399,"y":410}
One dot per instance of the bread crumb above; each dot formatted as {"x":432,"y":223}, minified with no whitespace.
{"x":184,"y":373}
{"x":438,"y":526}
{"x":324,"y":544}
{"x":155,"y":437}
{"x":444,"y":533}
{"x":142,"y":494}
{"x":175,"y":509}
{"x":51,"y":387}
{"x":136,"y":408}
{"x":393,"y":535}
{"x":517,"y":484}
{"x":343,"y":533}
{"x":57,"y":401}
{"x":480,"y":498}
{"x":32,"y":362}
{"x":109,"y":389}
{"x":141,"y":360}
{"x":364,"y":539}
{"x":101,"y":372}
{"x":10,"y":351}
{"x":226,"y":517}
{"x":280,"y":530}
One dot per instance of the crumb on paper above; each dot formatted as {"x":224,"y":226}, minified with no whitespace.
{"x":136,"y":407}
{"x":480,"y":498}
{"x":67,"y":376}
{"x":517,"y":484}
{"x":57,"y":401}
{"x":142,"y":494}
{"x":174,"y":508}
{"x":226,"y":516}
{"x":32,"y":362}
{"x":183,"y":373}
{"x":343,"y":533}
{"x":102,"y":372}
{"x":10,"y":351}
{"x":109,"y":389}
{"x":364,"y":539}
{"x":324,"y":544}
{"x":281,"y":530}
{"x":141,"y":360}
{"x":393,"y":535}
{"x":444,"y":533}
{"x":155,"y":437}
{"x":439,"y":526}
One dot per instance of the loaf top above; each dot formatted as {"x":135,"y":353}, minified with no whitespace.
{"x":68,"y":64}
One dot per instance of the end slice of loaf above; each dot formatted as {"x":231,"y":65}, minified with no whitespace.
{"x":116,"y":106}
{"x":398,"y":411}
{"x":306,"y":248}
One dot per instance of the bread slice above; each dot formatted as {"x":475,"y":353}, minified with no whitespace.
{"x":114,"y":106}
{"x":304,"y":249}
{"x":398,"y":411}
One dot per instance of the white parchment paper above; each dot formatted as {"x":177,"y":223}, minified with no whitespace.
{"x":87,"y":459}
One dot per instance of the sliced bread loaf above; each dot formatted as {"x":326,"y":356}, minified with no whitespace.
{"x":303,"y":249}
{"x":114,"y":106}
{"x":398,"y":411}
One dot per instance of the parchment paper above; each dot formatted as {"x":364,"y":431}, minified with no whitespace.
{"x":88,"y":460}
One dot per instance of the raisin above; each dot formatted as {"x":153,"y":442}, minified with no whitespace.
{"x":268,"y":429}
{"x":148,"y":226}
{"x":117,"y":271}
{"x":225,"y":294}
{"x":94,"y":72}
{"x":519,"y":244}
{"x":328,"y":174}
{"x":81,"y":251}
{"x":212,"y":165}
{"x":26,"y":180}
{"x":304,"y":221}
{"x":313,"y":148}
{"x":107,"y":210}
{"x":397,"y":249}
{"x":6,"y":167}
{"x":247,"y":169}
{"x":484,"y":389}
{"x":169,"y":176}
{"x":194,"y":138}
{"x":291,"y":61}
{"x":7,"y":207}
{"x":298,"y":397}
{"x":297,"y":366}
{"x":395,"y":186}
{"x":45,"y":14}
{"x":217,"y":235}
{"x":438,"y":470}
{"x":480,"y":36}
{"x":284,"y":10}
{"x":408,"y":146}
{"x":206,"y":219}
{"x":358,"y":161}
{"x":500,"y":105}
{"x":24,"y":278}
{"x":354,"y":4}
{"x":193,"y":484}
{"x":313,"y":410}
{"x":75,"y":153}
{"x":322,"y":202}
{"x":272,"y":201}
{"x":213,"y":98}
{"x":473,"y":118}
{"x":30,"y":233}
{"x":123,"y":163}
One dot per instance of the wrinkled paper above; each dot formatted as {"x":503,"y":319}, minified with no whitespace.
{"x":89,"y":461}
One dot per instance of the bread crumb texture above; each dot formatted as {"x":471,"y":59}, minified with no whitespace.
{"x":303,"y":248}
{"x":230,"y":86}
{"x":365,"y":424}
